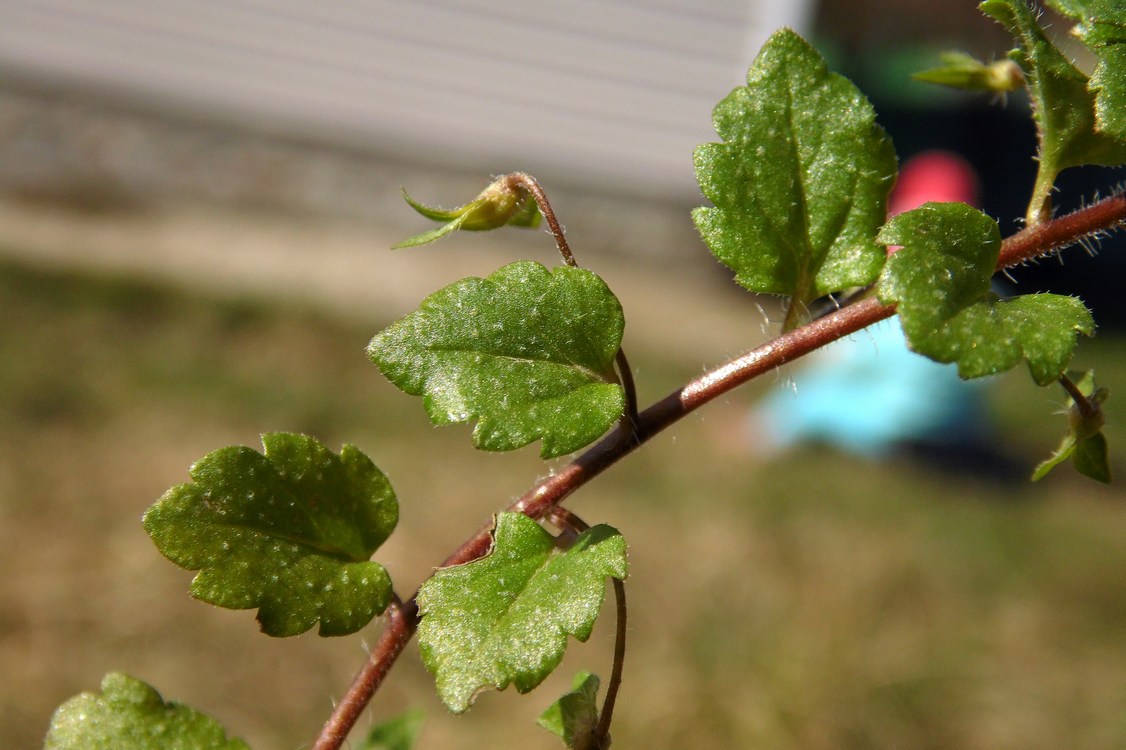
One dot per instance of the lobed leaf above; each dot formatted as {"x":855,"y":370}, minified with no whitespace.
{"x":1102,"y":27}
{"x":800,"y":183}
{"x":289,"y":531}
{"x":574,"y":717}
{"x":130,"y":715}
{"x":504,"y":619}
{"x":940,"y":282}
{"x":528,"y":352}
{"x":1063,"y":105}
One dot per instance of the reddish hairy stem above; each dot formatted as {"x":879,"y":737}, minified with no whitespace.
{"x":401,"y":623}
{"x":1041,"y":239}
{"x":1023,"y":246}
{"x":532,"y":185}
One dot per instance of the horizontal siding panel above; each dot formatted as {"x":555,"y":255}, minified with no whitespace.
{"x":590,"y":89}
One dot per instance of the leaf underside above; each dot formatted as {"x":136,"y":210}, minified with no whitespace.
{"x":289,"y":531}
{"x":940,"y":282}
{"x":800,"y":183}
{"x":130,"y":715}
{"x":504,"y":619}
{"x":528,"y":352}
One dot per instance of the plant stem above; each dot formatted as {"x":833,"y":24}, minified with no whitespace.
{"x":532,"y":185}
{"x":631,"y":417}
{"x":1086,"y":410}
{"x":569,"y":523}
{"x":402,"y":620}
{"x":1036,"y":241}
{"x":1040,"y":204}
{"x":602,"y":732}
{"x":1026,"y":245}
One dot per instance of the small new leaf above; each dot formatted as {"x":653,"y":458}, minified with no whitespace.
{"x":800,"y":183}
{"x":574,"y":717}
{"x":1063,"y":105}
{"x":963,"y":71}
{"x":1092,"y":458}
{"x":527,"y":351}
{"x":940,"y":282}
{"x":504,"y":202}
{"x":289,"y":531}
{"x":504,"y":619}
{"x":398,"y":733}
{"x":1084,"y":443}
{"x":130,"y":715}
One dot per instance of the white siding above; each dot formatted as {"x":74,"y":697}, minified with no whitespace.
{"x":584,"y":89}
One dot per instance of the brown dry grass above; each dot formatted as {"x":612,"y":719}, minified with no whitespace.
{"x":813,"y":602}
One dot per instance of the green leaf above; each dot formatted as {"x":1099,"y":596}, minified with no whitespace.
{"x":994,"y":335}
{"x":1073,"y":8}
{"x":130,"y":715}
{"x":1091,"y":458}
{"x":1102,"y":28}
{"x":1065,"y":451}
{"x":527,"y":351}
{"x":504,"y":202}
{"x":290,"y":532}
{"x":398,"y":733}
{"x":1109,"y":84}
{"x":574,"y":717}
{"x":1063,"y":106}
{"x":960,"y":70}
{"x":800,"y":184}
{"x":940,"y":282}
{"x":1084,"y":442}
{"x":504,"y":619}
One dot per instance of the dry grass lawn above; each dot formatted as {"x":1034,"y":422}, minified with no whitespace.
{"x":813,"y":602}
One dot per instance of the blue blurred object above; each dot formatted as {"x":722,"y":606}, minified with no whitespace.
{"x":868,"y":395}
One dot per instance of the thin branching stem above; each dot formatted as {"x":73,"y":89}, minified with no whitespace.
{"x":569,"y":523}
{"x":602,"y":731}
{"x":1026,"y":245}
{"x":402,"y":620}
{"x":631,"y":417}
{"x":1082,"y":403}
{"x":532,"y":185}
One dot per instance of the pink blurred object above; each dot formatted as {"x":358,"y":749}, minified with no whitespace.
{"x":939,"y":176}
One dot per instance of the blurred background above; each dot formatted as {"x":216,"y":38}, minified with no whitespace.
{"x":196,"y":201}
